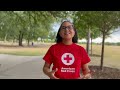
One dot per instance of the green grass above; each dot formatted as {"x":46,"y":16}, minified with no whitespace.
{"x":111,"y":56}
{"x":24,"y":51}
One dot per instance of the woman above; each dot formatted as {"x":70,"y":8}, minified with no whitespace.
{"x":67,"y":57}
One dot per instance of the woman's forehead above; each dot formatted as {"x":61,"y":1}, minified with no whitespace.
{"x":66,"y":23}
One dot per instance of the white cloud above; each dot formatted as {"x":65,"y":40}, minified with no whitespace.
{"x":82,"y":40}
{"x":97,"y":40}
{"x":114,"y":38}
{"x":111,"y":39}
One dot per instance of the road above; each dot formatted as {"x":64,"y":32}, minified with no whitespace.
{"x":21,"y":67}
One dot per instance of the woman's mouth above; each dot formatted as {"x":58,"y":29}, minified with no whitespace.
{"x":66,"y":33}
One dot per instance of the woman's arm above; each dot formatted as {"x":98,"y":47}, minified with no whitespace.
{"x":86,"y":71}
{"x":46,"y":70}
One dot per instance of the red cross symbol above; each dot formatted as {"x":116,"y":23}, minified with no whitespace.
{"x":68,"y":58}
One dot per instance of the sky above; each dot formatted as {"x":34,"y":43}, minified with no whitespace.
{"x":114,"y":37}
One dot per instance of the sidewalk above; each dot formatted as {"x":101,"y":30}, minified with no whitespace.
{"x":21,"y":67}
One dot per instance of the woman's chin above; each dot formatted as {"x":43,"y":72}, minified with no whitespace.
{"x":67,"y":38}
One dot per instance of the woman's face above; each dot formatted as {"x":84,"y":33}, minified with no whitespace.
{"x":67,"y":31}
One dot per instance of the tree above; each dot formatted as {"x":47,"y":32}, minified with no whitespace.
{"x":84,"y":22}
{"x":52,"y":35}
{"x":107,"y":21}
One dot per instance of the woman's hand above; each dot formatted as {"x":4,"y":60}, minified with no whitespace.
{"x":86,"y":72}
{"x":46,"y":70}
{"x":51,"y":74}
{"x":86,"y":76}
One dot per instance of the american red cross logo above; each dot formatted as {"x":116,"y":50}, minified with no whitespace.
{"x":67,"y":58}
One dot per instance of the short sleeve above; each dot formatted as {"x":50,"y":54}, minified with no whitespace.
{"x":48,"y":56}
{"x":85,"y":57}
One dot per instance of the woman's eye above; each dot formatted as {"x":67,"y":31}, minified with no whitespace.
{"x":68,"y":27}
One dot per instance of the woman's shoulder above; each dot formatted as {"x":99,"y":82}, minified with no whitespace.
{"x":79,"y":46}
{"x":54,"y":45}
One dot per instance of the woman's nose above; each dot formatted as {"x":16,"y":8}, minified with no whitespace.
{"x":66,"y":28}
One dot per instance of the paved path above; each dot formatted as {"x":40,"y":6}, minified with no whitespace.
{"x":21,"y":67}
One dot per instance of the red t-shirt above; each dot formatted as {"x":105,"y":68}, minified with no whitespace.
{"x":67,"y":58}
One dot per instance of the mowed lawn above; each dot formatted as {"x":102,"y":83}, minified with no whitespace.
{"x":111,"y":56}
{"x":25,"y":50}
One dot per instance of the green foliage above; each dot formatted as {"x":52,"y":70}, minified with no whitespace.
{"x":83,"y":21}
{"x":30,"y":24}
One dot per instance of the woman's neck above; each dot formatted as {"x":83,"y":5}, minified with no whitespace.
{"x":67,"y":42}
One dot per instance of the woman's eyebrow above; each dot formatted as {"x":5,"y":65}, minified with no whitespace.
{"x":66,"y":26}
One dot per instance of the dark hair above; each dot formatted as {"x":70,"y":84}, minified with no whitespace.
{"x":59,"y":38}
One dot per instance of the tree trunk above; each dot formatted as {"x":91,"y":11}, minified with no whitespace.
{"x":5,"y":38}
{"x":13,"y":40}
{"x":91,"y":44}
{"x":28,"y":42}
{"x":20,"y":38}
{"x":41,"y":39}
{"x":102,"y":51}
{"x":88,"y":41}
